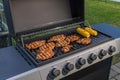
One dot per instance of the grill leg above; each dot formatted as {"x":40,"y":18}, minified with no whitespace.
{"x":99,"y":71}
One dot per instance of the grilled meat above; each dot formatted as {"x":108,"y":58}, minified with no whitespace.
{"x":73,"y":38}
{"x":44,"y":55}
{"x":46,"y":49}
{"x":66,"y":48}
{"x":68,"y":40}
{"x":50,"y":45}
{"x":35,"y":45}
{"x":40,"y":57}
{"x":57,"y":38}
{"x":63,"y":43}
{"x":29,"y":46}
{"x":84,"y":41}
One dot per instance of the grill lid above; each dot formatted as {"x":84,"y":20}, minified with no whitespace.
{"x":25,"y":15}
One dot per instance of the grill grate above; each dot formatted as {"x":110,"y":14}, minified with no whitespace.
{"x":58,"y":53}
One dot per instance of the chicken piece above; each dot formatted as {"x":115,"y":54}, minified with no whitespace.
{"x":41,"y":42}
{"x":28,"y":46}
{"x":68,"y":40}
{"x":40,"y":57}
{"x":63,"y":43}
{"x":32,"y":46}
{"x":84,"y":41}
{"x":57,"y":38}
{"x":44,"y":55}
{"x":73,"y":38}
{"x":66,"y":48}
{"x":50,"y":45}
{"x":43,"y":48}
{"x":48,"y":52}
{"x":79,"y":41}
{"x":35,"y":45}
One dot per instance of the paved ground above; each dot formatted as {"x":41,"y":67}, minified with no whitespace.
{"x":115,"y":72}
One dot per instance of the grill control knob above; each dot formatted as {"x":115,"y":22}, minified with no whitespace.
{"x":111,"y":49}
{"x":54,"y":73}
{"x":102,"y":53}
{"x":68,"y":67}
{"x":80,"y":63}
{"x":92,"y":57}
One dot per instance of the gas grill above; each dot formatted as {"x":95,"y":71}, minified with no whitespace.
{"x":33,"y":20}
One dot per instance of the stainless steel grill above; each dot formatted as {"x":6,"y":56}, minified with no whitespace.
{"x":83,"y":62}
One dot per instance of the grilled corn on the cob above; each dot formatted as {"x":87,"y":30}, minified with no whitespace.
{"x":83,"y":32}
{"x":91,"y":31}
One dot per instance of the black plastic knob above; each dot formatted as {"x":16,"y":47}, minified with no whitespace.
{"x":80,"y":63}
{"x":112,"y":49}
{"x":54,"y":73}
{"x":67,"y":68}
{"x":102,"y":53}
{"x":92,"y":58}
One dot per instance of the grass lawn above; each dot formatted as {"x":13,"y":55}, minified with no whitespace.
{"x":99,"y":11}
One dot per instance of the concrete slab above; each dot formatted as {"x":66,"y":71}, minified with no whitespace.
{"x":112,"y":73}
{"x":115,"y":68}
{"x":112,"y":79}
{"x":117,"y":77}
{"x":118,"y":64}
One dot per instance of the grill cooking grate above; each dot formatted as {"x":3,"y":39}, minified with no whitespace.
{"x":58,"y":53}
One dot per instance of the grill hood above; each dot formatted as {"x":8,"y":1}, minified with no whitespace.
{"x":25,"y":15}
